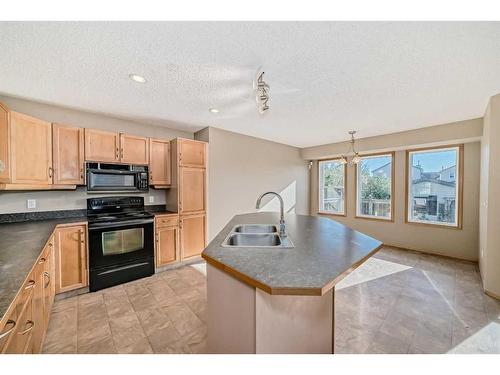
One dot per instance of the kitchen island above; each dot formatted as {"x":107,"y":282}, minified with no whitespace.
{"x":277,"y":299}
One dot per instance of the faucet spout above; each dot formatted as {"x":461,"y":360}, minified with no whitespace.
{"x":282,"y":210}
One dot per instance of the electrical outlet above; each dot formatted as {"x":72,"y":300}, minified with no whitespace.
{"x":151,"y":199}
{"x":31,"y":203}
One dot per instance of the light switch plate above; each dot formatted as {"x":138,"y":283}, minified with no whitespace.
{"x":31,"y":203}
{"x":151,"y":199}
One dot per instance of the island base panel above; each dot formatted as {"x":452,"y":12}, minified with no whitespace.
{"x":243,"y":319}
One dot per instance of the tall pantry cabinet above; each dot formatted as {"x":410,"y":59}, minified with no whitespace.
{"x":187,"y":195}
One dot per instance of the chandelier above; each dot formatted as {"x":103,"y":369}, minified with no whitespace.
{"x":261,"y":93}
{"x":355,"y":155}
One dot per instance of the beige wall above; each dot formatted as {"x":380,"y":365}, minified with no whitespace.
{"x":60,"y":200}
{"x":243,"y":167}
{"x":490,"y":203}
{"x":446,"y":241}
{"x":456,"y":132}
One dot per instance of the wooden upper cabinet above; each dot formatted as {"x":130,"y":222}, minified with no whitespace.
{"x":192,"y":235}
{"x":68,"y":155}
{"x":134,"y":150}
{"x":71,"y":258}
{"x":102,"y":146}
{"x":4,"y":144}
{"x":160,"y":172}
{"x":191,"y":190}
{"x":192,"y":153}
{"x":31,"y":150}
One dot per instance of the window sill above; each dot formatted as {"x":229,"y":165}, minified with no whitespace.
{"x":331,"y":213}
{"x":444,"y":226}
{"x":376,"y":218}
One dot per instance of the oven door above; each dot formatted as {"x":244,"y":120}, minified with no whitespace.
{"x":106,"y":180}
{"x":115,"y":243}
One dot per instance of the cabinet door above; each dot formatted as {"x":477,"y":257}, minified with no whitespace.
{"x":134,"y":150}
{"x":166,"y":245}
{"x":191,"y":190}
{"x":38,"y":306}
{"x":31,"y":150}
{"x":49,"y":286}
{"x":4,"y":144}
{"x":159,"y":162}
{"x":21,"y":338}
{"x":192,"y":235}
{"x":7,"y":327}
{"x":71,"y":258}
{"x":102,"y":146}
{"x":192,"y":153}
{"x":68,"y":154}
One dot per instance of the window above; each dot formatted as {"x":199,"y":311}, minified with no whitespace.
{"x":332,"y":186}
{"x":434,"y":186}
{"x":374,"y":185}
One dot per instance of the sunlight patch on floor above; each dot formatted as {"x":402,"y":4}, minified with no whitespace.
{"x":486,"y":340}
{"x":200,"y":267}
{"x":372,"y":269}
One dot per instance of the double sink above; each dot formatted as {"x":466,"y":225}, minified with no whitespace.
{"x":256,"y":235}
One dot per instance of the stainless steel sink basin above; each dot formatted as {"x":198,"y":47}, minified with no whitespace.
{"x":253,"y":240}
{"x":255,"y":228}
{"x":256,"y":235}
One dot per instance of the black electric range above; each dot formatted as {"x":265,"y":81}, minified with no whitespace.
{"x":121,"y":241}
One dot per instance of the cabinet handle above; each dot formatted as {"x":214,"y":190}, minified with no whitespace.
{"x":81,"y":236}
{"x":50,"y":172}
{"x":29,"y":323}
{"x":47,"y":275}
{"x":7,"y":333}
{"x":41,"y":261}
{"x":30,"y":285}
{"x":117,"y":153}
{"x":81,"y":173}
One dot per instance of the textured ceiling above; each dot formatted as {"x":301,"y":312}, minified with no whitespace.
{"x":325,"y":77}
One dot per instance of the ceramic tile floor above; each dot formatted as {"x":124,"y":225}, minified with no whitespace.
{"x":397,"y":302}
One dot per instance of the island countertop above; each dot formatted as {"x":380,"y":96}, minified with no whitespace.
{"x":324,"y":252}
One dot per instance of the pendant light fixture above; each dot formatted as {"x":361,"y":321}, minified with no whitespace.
{"x":355,"y":155}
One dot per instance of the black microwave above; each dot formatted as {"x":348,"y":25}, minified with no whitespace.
{"x":115,"y":178}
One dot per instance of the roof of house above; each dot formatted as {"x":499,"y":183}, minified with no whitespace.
{"x":440,"y":182}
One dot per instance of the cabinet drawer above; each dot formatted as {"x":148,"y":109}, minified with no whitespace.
{"x":26,"y":292}
{"x":167,"y":221}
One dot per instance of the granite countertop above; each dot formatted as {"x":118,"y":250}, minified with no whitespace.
{"x":324,"y":252}
{"x":20,"y":246}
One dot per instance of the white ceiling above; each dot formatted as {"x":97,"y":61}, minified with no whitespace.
{"x":325,"y":77}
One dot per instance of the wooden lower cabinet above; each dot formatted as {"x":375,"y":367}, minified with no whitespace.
{"x":49,"y":279}
{"x":21,"y":338}
{"x":167,"y":244}
{"x":71,"y":258}
{"x":192,"y":230}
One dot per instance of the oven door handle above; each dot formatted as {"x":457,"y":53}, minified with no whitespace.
{"x":97,"y":226}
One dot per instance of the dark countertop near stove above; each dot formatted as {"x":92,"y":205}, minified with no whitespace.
{"x":22,"y":239}
{"x":20,"y":246}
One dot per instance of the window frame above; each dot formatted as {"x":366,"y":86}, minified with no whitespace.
{"x":390,"y":219}
{"x":459,"y":192}
{"x":321,"y":212}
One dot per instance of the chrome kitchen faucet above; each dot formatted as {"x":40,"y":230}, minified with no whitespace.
{"x":282,"y":211}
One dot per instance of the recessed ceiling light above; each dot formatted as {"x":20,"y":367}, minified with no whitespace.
{"x":137,"y":78}
{"x":213,"y":110}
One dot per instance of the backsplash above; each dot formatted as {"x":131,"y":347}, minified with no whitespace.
{"x":15,"y":202}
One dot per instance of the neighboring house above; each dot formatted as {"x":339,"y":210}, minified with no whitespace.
{"x":434,"y":194}
{"x":384,"y":170}
{"x":448,"y":174}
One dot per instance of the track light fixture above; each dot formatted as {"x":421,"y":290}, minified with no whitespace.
{"x":261,"y":93}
